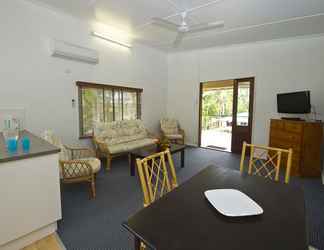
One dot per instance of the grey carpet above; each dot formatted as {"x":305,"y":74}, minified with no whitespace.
{"x":96,"y":224}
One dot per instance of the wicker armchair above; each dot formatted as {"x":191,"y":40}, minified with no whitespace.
{"x":77,"y":164}
{"x":171,"y":130}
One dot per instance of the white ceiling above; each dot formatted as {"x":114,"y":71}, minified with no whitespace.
{"x":245,"y":20}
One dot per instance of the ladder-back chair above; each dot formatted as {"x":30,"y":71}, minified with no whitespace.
{"x":156,"y":176}
{"x":267,"y":161}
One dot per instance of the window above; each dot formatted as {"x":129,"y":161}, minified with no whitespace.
{"x":243,"y":101}
{"x":106,"y":103}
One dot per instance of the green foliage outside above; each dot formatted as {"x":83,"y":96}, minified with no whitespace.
{"x":92,"y":108}
{"x":219,"y":103}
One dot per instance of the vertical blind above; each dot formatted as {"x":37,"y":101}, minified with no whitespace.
{"x":106,"y":103}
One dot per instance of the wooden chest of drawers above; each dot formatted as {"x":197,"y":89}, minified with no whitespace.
{"x":305,"y":138}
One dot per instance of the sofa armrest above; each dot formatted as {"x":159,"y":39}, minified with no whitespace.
{"x":101,"y":146}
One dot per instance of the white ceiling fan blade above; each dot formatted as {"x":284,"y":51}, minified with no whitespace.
{"x":91,"y":3}
{"x":206,"y":26}
{"x":165,"y":24}
{"x":178,"y":39}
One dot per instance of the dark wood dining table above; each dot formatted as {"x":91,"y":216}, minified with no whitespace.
{"x":184,"y":218}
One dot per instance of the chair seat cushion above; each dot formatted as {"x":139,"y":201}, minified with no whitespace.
{"x":139,"y":143}
{"x":72,"y":171}
{"x":94,"y":163}
{"x":174,"y":136}
{"x":170,"y":130}
{"x":117,"y":148}
{"x":131,"y":145}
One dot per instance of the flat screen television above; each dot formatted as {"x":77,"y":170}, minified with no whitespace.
{"x":294,"y":103}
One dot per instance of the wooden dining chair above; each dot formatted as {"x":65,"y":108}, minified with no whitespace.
{"x":267,"y":161}
{"x":157,"y":176}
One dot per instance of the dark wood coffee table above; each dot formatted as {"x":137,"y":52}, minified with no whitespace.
{"x":152,"y":149}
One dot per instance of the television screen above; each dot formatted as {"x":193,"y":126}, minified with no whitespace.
{"x":294,"y":103}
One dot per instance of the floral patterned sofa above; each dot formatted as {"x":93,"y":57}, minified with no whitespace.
{"x":116,"y":138}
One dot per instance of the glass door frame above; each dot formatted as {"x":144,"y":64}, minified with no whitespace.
{"x":242,"y":133}
{"x":235,"y":96}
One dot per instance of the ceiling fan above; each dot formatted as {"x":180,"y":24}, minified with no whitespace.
{"x":184,"y":28}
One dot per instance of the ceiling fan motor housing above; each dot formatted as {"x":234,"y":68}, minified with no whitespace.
{"x":183,"y":28}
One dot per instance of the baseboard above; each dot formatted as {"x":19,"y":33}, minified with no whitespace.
{"x":60,"y":241}
{"x":30,"y":238}
{"x":192,"y":145}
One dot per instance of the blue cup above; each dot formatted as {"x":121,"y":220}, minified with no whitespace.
{"x":12,"y":145}
{"x":25,"y":143}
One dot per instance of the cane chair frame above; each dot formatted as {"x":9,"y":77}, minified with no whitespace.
{"x":74,"y":167}
{"x":79,"y":170}
{"x":80,"y":152}
{"x":154,"y":176}
{"x":270,"y":160}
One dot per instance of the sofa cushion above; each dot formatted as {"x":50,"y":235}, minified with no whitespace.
{"x":122,"y":136}
{"x":125,"y":139}
{"x":109,"y":133}
{"x":137,"y":136}
{"x":117,"y":140}
{"x":175,"y":136}
{"x":117,"y":148}
{"x":131,"y":145}
{"x":118,"y":129}
{"x":139,"y":143}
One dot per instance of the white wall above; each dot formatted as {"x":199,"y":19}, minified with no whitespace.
{"x":278,"y":66}
{"x":45,"y":86}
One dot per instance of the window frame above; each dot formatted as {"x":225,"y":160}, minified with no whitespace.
{"x":88,"y":85}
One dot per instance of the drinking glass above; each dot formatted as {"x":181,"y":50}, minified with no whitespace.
{"x":11,"y":138}
{"x":25,"y":142}
{"x":12,"y":145}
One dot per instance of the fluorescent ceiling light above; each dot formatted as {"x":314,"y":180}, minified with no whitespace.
{"x":109,"y":39}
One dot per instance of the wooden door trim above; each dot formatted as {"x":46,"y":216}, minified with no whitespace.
{"x":200,"y":112}
{"x":251,"y":97}
{"x":251,"y":105}
{"x":234,"y":109}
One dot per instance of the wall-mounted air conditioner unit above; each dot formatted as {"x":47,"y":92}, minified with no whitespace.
{"x":73,"y":52}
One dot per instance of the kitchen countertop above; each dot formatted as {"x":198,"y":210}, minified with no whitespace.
{"x":38,"y":147}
